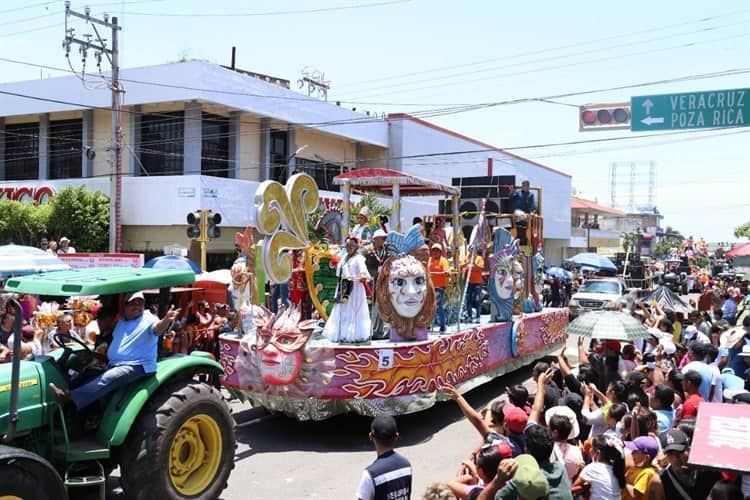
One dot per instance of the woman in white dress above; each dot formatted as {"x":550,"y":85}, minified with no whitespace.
{"x":350,"y":318}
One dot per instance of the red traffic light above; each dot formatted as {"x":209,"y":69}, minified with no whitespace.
{"x":604,"y":117}
{"x":588,"y":117}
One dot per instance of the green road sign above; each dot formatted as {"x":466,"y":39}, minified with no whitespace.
{"x":707,"y":109}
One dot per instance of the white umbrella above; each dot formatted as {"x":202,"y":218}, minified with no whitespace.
{"x":19,"y":260}
{"x":615,"y":325}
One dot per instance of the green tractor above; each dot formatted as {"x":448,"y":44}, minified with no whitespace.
{"x":171,"y":435}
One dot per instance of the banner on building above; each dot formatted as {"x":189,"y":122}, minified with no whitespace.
{"x":84,"y":260}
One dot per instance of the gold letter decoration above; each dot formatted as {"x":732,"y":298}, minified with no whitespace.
{"x":280,"y":215}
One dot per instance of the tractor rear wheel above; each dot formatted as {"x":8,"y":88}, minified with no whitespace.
{"x":19,"y":483}
{"x":181,"y":446}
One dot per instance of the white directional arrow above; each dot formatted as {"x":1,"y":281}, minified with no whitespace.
{"x":647,"y":105}
{"x":649,"y":120}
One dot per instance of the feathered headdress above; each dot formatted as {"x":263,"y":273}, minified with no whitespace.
{"x":399,"y":244}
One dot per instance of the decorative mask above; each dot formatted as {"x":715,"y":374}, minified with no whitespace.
{"x":405,"y":295}
{"x":506,"y":281}
{"x":407,"y":286}
{"x":279,"y":342}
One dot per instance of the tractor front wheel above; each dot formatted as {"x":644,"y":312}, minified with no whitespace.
{"x":182,"y":445}
{"x":18,"y":483}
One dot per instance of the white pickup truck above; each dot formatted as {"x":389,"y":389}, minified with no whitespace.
{"x":597,"y":294}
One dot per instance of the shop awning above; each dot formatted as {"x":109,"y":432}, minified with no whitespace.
{"x":591,"y":207}
{"x":739,"y":251}
{"x":382,"y":180}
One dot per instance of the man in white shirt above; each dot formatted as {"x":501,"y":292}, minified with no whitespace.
{"x":712,"y":354}
{"x":697,"y":354}
{"x":692,"y":333}
{"x":65,"y":246}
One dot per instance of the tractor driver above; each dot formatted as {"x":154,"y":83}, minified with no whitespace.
{"x":132,"y":353}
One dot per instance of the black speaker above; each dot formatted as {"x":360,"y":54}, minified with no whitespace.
{"x":636,"y":271}
{"x":470,"y":209}
{"x":445,"y":208}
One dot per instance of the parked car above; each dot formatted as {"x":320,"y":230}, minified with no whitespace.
{"x":596,"y":294}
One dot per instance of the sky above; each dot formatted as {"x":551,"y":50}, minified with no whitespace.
{"x":418,"y":55}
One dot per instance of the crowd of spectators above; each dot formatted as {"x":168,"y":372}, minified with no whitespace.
{"x":619,"y":424}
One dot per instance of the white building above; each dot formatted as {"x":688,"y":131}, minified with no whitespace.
{"x":201,"y":136}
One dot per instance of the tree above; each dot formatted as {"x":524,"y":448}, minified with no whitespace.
{"x":371,"y":201}
{"x":21,"y":223}
{"x":742,"y":231}
{"x":82,"y":216}
{"x":671,"y":238}
{"x":630,"y":241}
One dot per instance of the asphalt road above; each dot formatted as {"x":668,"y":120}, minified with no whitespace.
{"x":279,"y":457}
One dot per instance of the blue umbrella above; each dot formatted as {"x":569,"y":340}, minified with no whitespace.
{"x":173,"y":262}
{"x":593,"y":260}
{"x":559,"y":272}
{"x":19,"y":260}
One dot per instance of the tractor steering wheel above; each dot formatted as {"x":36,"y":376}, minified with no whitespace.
{"x":61,"y":340}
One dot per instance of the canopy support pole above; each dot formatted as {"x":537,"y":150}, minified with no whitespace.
{"x":347,"y":208}
{"x":396,"y":209}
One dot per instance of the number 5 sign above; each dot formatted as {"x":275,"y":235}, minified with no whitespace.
{"x":385,"y":359}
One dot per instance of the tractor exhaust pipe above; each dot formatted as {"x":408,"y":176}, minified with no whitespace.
{"x":15,"y":373}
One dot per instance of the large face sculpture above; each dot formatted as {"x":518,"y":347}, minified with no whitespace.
{"x":277,"y":365}
{"x":280,"y":348}
{"x":504,"y":279}
{"x":407,"y":286}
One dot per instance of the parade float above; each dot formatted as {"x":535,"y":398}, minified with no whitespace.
{"x":288,"y":363}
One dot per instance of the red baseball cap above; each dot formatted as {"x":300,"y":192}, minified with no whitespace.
{"x":515,"y":419}
{"x":502,"y":447}
{"x":612,"y":344}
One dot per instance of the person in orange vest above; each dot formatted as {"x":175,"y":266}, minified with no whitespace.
{"x":439,"y":269}
{"x":476,"y":280}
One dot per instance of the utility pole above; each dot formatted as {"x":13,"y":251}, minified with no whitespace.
{"x":113,"y":55}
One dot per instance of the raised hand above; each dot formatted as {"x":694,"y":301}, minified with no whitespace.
{"x":506,"y":470}
{"x":172,"y":313}
{"x":450,"y":391}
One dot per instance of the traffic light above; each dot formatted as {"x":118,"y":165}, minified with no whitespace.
{"x":194,"y":225}
{"x":604,"y":117}
{"x":214,"y":219}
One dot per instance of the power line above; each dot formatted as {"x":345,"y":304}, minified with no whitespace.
{"x":451,"y":106}
{"x":548,"y":57}
{"x":102,"y":4}
{"x":33,"y":30}
{"x":546,"y":50}
{"x":27,"y":19}
{"x":272,"y":13}
{"x":15,"y":9}
{"x":647,"y":51}
{"x":685,"y":136}
{"x":166,"y":116}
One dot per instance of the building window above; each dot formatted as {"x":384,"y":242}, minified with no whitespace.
{"x":65,"y":144}
{"x":279,"y":155}
{"x":162,"y":143}
{"x":215,"y":146}
{"x":22,"y":152}
{"x":322,"y":172}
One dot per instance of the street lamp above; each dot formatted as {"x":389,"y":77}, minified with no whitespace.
{"x":290,"y":167}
